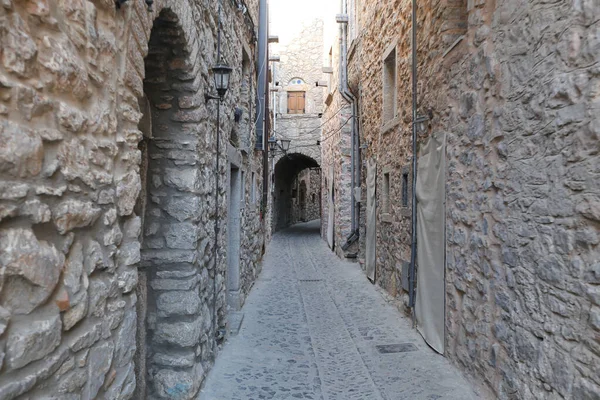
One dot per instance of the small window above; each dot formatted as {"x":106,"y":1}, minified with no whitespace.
{"x":243,"y":189}
{"x":253,"y":188}
{"x":389,"y":86}
{"x":386,"y":192}
{"x":296,"y":102}
{"x":405,"y":189}
{"x":313,"y":197}
{"x":296,"y":81}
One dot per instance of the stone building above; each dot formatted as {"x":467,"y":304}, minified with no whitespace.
{"x":109,"y":286}
{"x":508,"y":92}
{"x":297,"y":93}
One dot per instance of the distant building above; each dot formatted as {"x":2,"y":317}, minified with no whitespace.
{"x":297,"y":110}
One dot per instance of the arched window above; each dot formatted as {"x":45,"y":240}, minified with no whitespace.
{"x":296,"y":81}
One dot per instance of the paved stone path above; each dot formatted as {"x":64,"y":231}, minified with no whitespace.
{"x":310,"y":330}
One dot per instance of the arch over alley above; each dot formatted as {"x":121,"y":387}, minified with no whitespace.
{"x":296,"y":190}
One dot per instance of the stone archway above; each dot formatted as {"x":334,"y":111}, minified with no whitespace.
{"x":287,"y":193}
{"x":175,"y":333}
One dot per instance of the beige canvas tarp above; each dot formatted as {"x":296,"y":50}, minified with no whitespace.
{"x":430,"y":192}
{"x":371,"y":219}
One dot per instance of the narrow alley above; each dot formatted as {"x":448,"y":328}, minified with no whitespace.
{"x":314,"y":328}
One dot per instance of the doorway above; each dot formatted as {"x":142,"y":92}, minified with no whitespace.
{"x":233,"y":238}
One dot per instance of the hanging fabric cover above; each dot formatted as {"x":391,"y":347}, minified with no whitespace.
{"x":371,"y":239}
{"x":430,"y":190}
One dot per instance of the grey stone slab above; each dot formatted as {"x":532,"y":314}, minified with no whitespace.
{"x":311,"y":326}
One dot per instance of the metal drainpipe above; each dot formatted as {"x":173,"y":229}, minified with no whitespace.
{"x":267,"y":116}
{"x":413,"y":249}
{"x":217,"y":173}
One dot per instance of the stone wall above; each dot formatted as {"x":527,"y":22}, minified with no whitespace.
{"x":306,"y":204}
{"x":336,"y":142}
{"x":301,"y":58}
{"x":107,"y":211}
{"x":514,"y":85}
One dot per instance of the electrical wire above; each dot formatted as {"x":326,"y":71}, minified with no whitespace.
{"x":320,"y":126}
{"x":330,"y":135}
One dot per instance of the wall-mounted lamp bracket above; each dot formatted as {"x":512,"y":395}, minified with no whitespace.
{"x":208,"y":96}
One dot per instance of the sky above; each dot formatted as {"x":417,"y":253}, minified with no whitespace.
{"x":287,"y":16}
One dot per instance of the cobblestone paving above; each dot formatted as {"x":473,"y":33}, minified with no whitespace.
{"x":310,"y":330}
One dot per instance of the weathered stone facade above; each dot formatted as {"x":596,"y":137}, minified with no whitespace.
{"x":307,"y":200}
{"x":514,"y":86}
{"x":300,"y":60}
{"x":336,"y":157}
{"x":108,"y":281}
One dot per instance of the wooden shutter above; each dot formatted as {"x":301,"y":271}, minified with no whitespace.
{"x":296,"y":102}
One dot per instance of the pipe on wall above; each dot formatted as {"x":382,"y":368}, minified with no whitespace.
{"x":262,"y":120}
{"x":413,"y":247}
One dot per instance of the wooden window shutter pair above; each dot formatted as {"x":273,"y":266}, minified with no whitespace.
{"x":296,"y":102}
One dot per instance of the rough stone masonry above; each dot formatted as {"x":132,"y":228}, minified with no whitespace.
{"x":515,"y":86}
{"x":298,"y":72}
{"x":108,"y":282}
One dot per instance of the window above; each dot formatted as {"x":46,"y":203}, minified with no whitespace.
{"x":296,"y":102}
{"x":296,"y":81}
{"x":386,"y":192}
{"x":243,"y":190}
{"x":389,"y":85}
{"x":405,"y":189}
{"x":253,"y":189}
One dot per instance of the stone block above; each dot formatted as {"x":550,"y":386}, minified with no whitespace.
{"x":18,"y":48}
{"x":21,"y":153}
{"x":181,"y":334}
{"x":13,"y":190}
{"x":181,"y":236}
{"x":99,"y":361}
{"x":595,"y":317}
{"x":179,"y":359}
{"x":129,"y":254}
{"x":31,"y":269}
{"x":99,"y":291}
{"x":585,"y":389}
{"x":178,"y":303}
{"x":73,"y":160}
{"x":32,"y":340}
{"x":85,"y":336}
{"x":178,"y":385}
{"x":71,"y":214}
{"x":184,"y":179}
{"x":76,"y":312}
{"x":67,"y":73}
{"x":127,"y":278}
{"x":183,"y":208}
{"x":37,"y":211}
{"x":73,"y":269}
{"x":128,"y":190}
{"x":125,"y":344}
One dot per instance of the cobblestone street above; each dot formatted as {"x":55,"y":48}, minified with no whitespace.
{"x":311,"y":328}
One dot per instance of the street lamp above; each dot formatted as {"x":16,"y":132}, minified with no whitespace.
{"x":272,"y":144}
{"x":221,"y":75}
{"x":284,"y":144}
